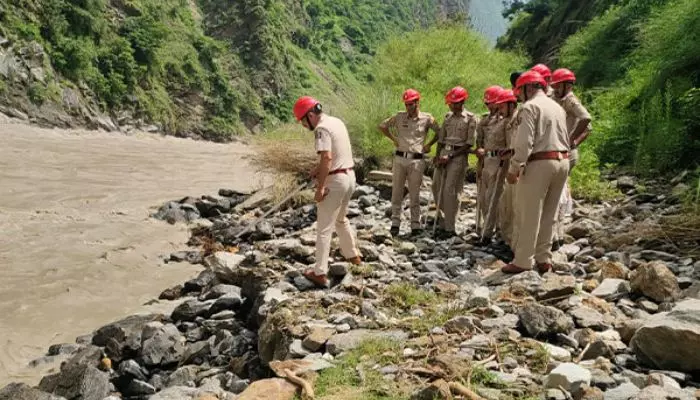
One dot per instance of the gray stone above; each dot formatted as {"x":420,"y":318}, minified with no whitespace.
{"x":191,"y":309}
{"x":196,"y":353}
{"x":161,"y":345}
{"x":227,"y":302}
{"x":221,"y":290}
{"x":557,"y":353}
{"x":83,"y":382}
{"x":338,"y":268}
{"x":139,"y":388}
{"x":540,"y":320}
{"x":183,"y":376}
{"x":348,"y":341}
{"x":671,"y":340}
{"x":296,"y":349}
{"x":480,"y":297}
{"x":626,"y":391}
{"x":22,"y":391}
{"x":224,"y":264}
{"x":655,"y":392}
{"x":461,"y":324}
{"x":612,"y":289}
{"x":302,"y":283}
{"x":555,"y":286}
{"x":506,"y":321}
{"x":602,"y":379}
{"x":64,"y":348}
{"x":343,"y":318}
{"x":655,"y":281}
{"x":133,"y":369}
{"x":572,"y":377}
{"x":555,"y":394}
{"x":586,"y":317}
{"x":583,"y":228}
{"x":625,"y":183}
{"x":653,"y":255}
{"x":407,"y":248}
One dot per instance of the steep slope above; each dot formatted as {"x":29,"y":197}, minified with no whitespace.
{"x":210,"y":69}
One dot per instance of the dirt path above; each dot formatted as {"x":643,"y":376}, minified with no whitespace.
{"x":77,"y":246}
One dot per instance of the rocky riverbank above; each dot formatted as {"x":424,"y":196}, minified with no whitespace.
{"x":618,"y":318}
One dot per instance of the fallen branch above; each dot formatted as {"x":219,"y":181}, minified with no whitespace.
{"x":307,"y":391}
{"x":583,"y":353}
{"x":461,"y":390}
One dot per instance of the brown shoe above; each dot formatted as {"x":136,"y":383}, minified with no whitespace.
{"x":355,"y":260}
{"x":543,"y":268}
{"x":319,"y":280}
{"x":513,"y":269}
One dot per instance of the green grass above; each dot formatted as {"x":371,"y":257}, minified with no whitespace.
{"x":407,"y":295}
{"x":343,"y":382}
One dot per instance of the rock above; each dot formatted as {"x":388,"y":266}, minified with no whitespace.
{"x":613,"y":270}
{"x":612,"y":289}
{"x":583,"y":228}
{"x":555,"y":394}
{"x":122,"y":331}
{"x":597,"y":349}
{"x":648,"y":306}
{"x":224,"y":265}
{"x":407,"y":248}
{"x":64,"y":348}
{"x":626,"y":391}
{"x":275,"y":388}
{"x":654,"y":392}
{"x":540,"y":320}
{"x":191,"y":309}
{"x":480,"y":297}
{"x":133,"y":369}
{"x":347,"y":341}
{"x":317,"y":338}
{"x":196,"y":353}
{"x":173,"y":212}
{"x":183,"y":376}
{"x":438,"y":390}
{"x":671,"y":340}
{"x":83,"y":382}
{"x":205,"y":279}
{"x":380,"y":176}
{"x":22,"y":391}
{"x":572,"y":377}
{"x":625,"y":183}
{"x":628,"y":328}
{"x":139,"y":388}
{"x":161,"y":345}
{"x":655,"y":281}
{"x":653,"y":255}
{"x":461,"y":324}
{"x":296,"y":349}
{"x":557,"y":353}
{"x":662,"y":380}
{"x":586,"y":317}
{"x":221,"y":290}
{"x":556,"y":286}
{"x":602,"y":379}
{"x":338,"y":268}
{"x":509,"y":321}
{"x":592,"y":393}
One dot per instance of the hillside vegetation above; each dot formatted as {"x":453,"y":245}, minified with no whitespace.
{"x":211,"y":68}
{"x":638,"y":69}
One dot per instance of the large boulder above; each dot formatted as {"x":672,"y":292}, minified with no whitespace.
{"x":539,"y":320}
{"x":671,"y":340}
{"x":77,"y":382}
{"x":122,"y":339}
{"x":655,"y":281}
{"x":22,"y":391}
{"x":161,"y":344}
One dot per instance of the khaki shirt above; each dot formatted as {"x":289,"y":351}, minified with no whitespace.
{"x":458,"y":129}
{"x":490,"y":134}
{"x":575,"y":111}
{"x":541,"y":127}
{"x":332,"y":135}
{"x":510,"y":126}
{"x":411,"y":132}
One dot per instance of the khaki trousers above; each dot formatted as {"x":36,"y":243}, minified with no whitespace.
{"x":506,"y":215}
{"x":332,"y":215}
{"x":489,"y":186}
{"x":447,"y":191}
{"x":559,"y":223}
{"x":538,"y":192}
{"x":411,"y":170}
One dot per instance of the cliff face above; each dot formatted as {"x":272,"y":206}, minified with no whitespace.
{"x":211,"y":68}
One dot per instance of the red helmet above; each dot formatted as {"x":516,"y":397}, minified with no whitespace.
{"x":410,"y":95}
{"x":563,"y":75}
{"x":506,"y":96}
{"x":542,"y":70}
{"x":491,"y":93}
{"x":516,"y":92}
{"x":303,"y":105}
{"x":530,"y":77}
{"x":456,"y":95}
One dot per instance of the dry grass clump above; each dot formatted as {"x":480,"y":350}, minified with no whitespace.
{"x":681,"y":231}
{"x":286,"y":153}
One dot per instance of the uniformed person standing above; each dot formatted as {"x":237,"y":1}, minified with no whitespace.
{"x":335,"y":181}
{"x":508,"y":108}
{"x":490,"y":138}
{"x":539,"y":167}
{"x":411,"y":127}
{"x":546,"y":73}
{"x":454,"y":142}
{"x":578,"y":121}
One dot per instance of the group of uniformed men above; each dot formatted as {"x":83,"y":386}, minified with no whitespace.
{"x":525,"y":154}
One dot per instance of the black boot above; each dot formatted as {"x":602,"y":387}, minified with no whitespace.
{"x":394,"y":231}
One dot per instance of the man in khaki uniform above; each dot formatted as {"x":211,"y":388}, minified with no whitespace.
{"x":335,"y":180}
{"x":539,"y":166}
{"x":454,"y":141}
{"x":490,"y":139}
{"x":411,"y":128}
{"x":578,"y":121}
{"x":546,"y":73}
{"x":508,"y":108}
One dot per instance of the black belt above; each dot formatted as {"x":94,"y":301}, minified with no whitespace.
{"x":412,"y":156}
{"x":450,"y":147}
{"x":340,"y":171}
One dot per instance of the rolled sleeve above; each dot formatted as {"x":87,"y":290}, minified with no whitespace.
{"x":575,"y":108}
{"x":524,"y":139}
{"x":389,"y":122}
{"x":323,"y":140}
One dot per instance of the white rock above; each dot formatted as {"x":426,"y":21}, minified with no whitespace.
{"x":571,"y":377}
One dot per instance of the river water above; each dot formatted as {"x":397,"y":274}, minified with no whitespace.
{"x":77,"y":246}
